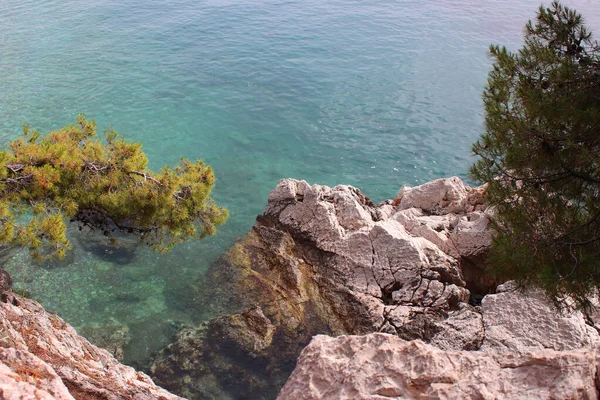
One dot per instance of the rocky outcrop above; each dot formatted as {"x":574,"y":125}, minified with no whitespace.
{"x":380,"y":366}
{"x":229,"y":357}
{"x":42,"y":357}
{"x":528,"y":350}
{"x":323,"y":260}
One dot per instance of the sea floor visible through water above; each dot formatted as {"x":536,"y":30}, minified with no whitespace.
{"x":372,"y":94}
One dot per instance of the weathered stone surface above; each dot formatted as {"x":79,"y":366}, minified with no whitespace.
{"x":250,"y":331}
{"x":441,"y":196}
{"x":375,"y":257}
{"x":85,"y":370}
{"x":465,"y":237}
{"x":380,"y":366}
{"x":25,"y":376}
{"x":516,"y":321}
{"x":323,"y":260}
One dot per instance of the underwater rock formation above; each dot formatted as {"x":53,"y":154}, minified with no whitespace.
{"x":229,"y":357}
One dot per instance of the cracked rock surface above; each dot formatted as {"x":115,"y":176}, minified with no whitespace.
{"x":515,"y":322}
{"x":380,"y":366}
{"x":395,"y":262}
{"x":42,"y":357}
{"x":323,"y":260}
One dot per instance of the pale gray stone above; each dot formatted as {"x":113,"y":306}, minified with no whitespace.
{"x":516,"y":321}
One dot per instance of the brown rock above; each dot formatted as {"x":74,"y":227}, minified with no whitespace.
{"x":5,"y":281}
{"x":250,"y":331}
{"x":226,"y":358}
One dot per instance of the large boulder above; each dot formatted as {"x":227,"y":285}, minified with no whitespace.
{"x":380,"y":366}
{"x":42,"y":355}
{"x":229,"y":357}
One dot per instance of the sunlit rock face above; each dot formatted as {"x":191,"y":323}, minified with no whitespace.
{"x":517,"y":321}
{"x":42,"y":357}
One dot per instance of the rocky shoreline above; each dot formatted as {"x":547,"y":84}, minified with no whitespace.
{"x":401,"y":282}
{"x":42,"y":357}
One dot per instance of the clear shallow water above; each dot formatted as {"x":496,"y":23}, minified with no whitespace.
{"x":374,"y":94}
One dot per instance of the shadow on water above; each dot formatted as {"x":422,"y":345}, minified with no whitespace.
{"x":119,"y":249}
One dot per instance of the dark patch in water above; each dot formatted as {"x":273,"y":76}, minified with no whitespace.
{"x":121,"y":250}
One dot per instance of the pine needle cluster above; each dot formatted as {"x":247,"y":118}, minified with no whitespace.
{"x":104,"y":185}
{"x":540,"y":156}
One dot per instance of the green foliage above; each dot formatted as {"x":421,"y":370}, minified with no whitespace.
{"x":105,"y":186}
{"x":540,"y":156}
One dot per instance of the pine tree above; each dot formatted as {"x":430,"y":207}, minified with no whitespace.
{"x":102,"y":185}
{"x":540,"y":157}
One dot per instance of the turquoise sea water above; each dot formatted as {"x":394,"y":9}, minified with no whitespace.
{"x":376,"y":94}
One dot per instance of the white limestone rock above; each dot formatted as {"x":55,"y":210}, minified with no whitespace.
{"x":380,"y":366}
{"x":440,"y":196}
{"x":379,"y":257}
{"x":462,"y":236}
{"x":516,"y":321}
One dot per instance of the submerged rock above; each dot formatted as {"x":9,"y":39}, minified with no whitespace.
{"x":111,"y":336}
{"x":229,"y":357}
{"x":380,"y":366}
{"x":41,"y":355}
